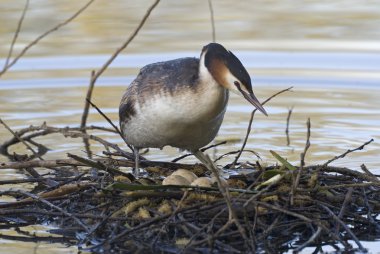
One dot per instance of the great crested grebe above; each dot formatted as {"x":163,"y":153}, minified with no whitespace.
{"x":181,"y":103}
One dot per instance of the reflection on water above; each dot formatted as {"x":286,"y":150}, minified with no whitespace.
{"x":328,"y":53}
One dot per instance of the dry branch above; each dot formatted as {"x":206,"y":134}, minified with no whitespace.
{"x":250,"y":124}
{"x":35,"y":41}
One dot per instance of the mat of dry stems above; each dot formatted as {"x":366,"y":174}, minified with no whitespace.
{"x":93,"y":201}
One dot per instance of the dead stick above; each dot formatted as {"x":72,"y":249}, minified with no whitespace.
{"x":112,"y":124}
{"x":97,"y":74}
{"x":203,"y":149}
{"x":347,"y":199}
{"x":35,"y":41}
{"x":309,"y":241}
{"x":16,"y":33}
{"x":369,"y":173}
{"x":87,"y":103}
{"x":20,"y":139}
{"x":125,"y":44}
{"x":250,"y":125}
{"x":287,"y":126}
{"x":348,"y":230}
{"x":42,"y":200}
{"x":302,"y":164}
{"x":212,"y":20}
{"x":105,"y":161}
{"x":347,"y":152}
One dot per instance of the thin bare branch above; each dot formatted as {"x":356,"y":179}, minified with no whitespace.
{"x":348,"y":230}
{"x":35,"y":41}
{"x":16,"y":33}
{"x":309,"y":241}
{"x":287,"y":126}
{"x":250,"y":124}
{"x":33,"y":196}
{"x":20,"y":139}
{"x":347,"y":152}
{"x":212,"y":20}
{"x":203,"y":149}
{"x":87,"y":102}
{"x":125,"y":44}
{"x":302,"y":164}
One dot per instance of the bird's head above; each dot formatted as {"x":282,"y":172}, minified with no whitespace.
{"x":227,"y":70}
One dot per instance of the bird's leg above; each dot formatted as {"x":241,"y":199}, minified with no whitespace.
{"x":205,"y":159}
{"x":137,"y":160}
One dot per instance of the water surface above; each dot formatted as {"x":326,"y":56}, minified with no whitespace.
{"x":328,"y":51}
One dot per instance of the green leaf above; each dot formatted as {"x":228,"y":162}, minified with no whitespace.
{"x":282,"y":160}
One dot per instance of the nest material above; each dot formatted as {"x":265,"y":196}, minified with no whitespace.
{"x":106,"y":210}
{"x":96,"y":205}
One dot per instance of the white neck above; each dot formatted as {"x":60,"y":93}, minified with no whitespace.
{"x":205,"y":76}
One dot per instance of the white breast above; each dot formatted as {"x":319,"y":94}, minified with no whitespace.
{"x":186,"y":119}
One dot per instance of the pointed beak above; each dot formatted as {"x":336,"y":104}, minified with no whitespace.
{"x":254,"y":101}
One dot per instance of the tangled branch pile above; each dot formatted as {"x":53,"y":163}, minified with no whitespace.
{"x":96,"y":205}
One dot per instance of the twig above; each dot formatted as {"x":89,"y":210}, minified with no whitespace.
{"x":345,"y":153}
{"x":347,"y":199}
{"x":20,"y":139}
{"x":250,"y":124}
{"x":302,"y":164}
{"x":309,"y":241}
{"x":369,"y":173}
{"x":111,"y":123}
{"x":203,"y":149}
{"x":35,"y":41}
{"x":287,"y":126}
{"x":44,"y":212}
{"x":85,"y":116}
{"x":42,"y":200}
{"x":235,"y":152}
{"x":224,"y":190}
{"x":104,"y":161}
{"x":87,"y":102}
{"x":99,"y":72}
{"x":180,"y":203}
{"x":282,"y":210}
{"x":125,"y":44}
{"x":369,"y":210}
{"x":348,"y":230}
{"x":348,"y":185}
{"x":342,"y":171}
{"x":16,"y":33}
{"x":212,"y":20}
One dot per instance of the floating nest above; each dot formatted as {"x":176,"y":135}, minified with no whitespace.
{"x":100,"y":207}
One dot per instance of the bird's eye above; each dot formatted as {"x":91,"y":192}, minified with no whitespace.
{"x":236,"y":83}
